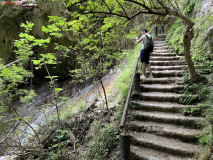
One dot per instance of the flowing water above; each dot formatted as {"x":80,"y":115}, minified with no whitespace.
{"x":89,"y":94}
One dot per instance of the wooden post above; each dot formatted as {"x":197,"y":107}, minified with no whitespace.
{"x":156,"y":31}
{"x":162,"y":28}
{"x":124,"y":147}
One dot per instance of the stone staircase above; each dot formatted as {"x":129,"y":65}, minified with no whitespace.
{"x":158,"y":128}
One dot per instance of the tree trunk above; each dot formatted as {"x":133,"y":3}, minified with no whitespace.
{"x":187,"y":45}
{"x":187,"y":37}
{"x":104,"y":94}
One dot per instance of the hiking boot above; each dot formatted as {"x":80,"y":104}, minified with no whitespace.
{"x":142,"y":77}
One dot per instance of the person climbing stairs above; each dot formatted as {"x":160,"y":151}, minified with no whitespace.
{"x":158,"y":128}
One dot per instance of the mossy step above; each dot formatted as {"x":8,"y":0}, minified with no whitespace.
{"x":166,"y":130}
{"x":167,"y":118}
{"x":160,"y":87}
{"x":160,"y":39}
{"x":162,"y":96}
{"x":162,"y":35}
{"x":161,"y":58}
{"x":156,"y":106}
{"x":162,"y":50}
{"x":167,"y":73}
{"x":167,"y":145}
{"x":161,"y":47}
{"x":167,"y":63}
{"x":168,"y":80}
{"x":159,"y":68}
{"x":141,"y":153}
{"x":163,"y":54}
{"x":160,"y":44}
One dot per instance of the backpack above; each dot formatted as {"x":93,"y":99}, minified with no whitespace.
{"x":149,"y":45}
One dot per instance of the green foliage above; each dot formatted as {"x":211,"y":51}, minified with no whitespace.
{"x":187,"y":100}
{"x":98,"y":43}
{"x":103,"y":143}
{"x":124,"y":80}
{"x":10,"y":79}
{"x":205,"y":109}
{"x":200,"y":55}
{"x":175,"y":36}
{"x":196,"y":88}
{"x":194,"y":91}
{"x":196,"y":111}
{"x":191,"y":7}
{"x":61,"y":135}
{"x":206,"y":138}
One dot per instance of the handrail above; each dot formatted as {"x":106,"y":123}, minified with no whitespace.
{"x":12,"y":63}
{"x":123,"y":120}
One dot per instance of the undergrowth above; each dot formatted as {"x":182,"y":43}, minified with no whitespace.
{"x":124,"y":80}
{"x":103,"y":143}
{"x":203,"y":60}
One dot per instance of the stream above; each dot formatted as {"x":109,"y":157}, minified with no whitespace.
{"x":88,"y":94}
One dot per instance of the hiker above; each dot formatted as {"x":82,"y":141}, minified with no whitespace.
{"x":144,"y":55}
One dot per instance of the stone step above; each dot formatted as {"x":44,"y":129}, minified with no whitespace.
{"x":162,"y":35}
{"x":166,"y":130}
{"x":161,"y":58}
{"x":167,"y":80}
{"x":162,"y":97}
{"x":163,"y":54}
{"x":160,"y":44}
{"x":167,"y":73}
{"x":160,"y":68}
{"x":159,"y":39}
{"x":160,"y":107}
{"x":141,"y":153}
{"x":157,"y":46}
{"x":162,"y":51}
{"x":160,"y":87}
{"x":167,"y":63}
{"x":171,"y":146}
{"x":167,"y":118}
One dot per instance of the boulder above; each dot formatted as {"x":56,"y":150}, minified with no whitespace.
{"x":208,"y":39}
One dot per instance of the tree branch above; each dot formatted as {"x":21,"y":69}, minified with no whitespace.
{"x":178,"y":7}
{"x":109,"y":13}
{"x":149,"y":10}
{"x":122,"y":8}
{"x":183,"y":17}
{"x":140,"y":4}
{"x":173,"y":5}
{"x":164,"y":6}
{"x":78,"y":2}
{"x":107,"y":6}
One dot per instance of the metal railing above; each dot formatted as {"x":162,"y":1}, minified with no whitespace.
{"x":124,"y":137}
{"x":123,"y":120}
{"x":11,"y":63}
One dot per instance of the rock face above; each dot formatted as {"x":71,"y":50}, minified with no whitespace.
{"x":208,"y":39}
{"x":207,"y":7}
{"x":13,"y":157}
{"x":9,"y":29}
{"x":11,"y":16}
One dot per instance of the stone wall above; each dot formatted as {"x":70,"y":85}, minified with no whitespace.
{"x":12,"y":16}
